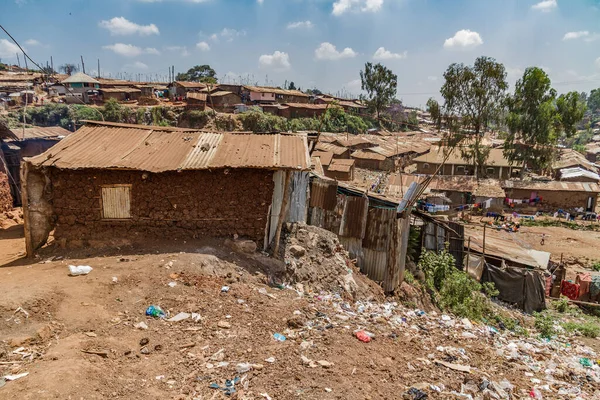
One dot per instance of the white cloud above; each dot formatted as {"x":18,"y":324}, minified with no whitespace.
{"x":260,"y":1}
{"x":181,"y":1}
{"x":278,"y":61}
{"x":182,"y":50}
{"x":383,"y":54}
{"x":203,"y":46}
{"x":327,"y":51}
{"x":300,"y":25}
{"x":8,"y":49}
{"x":342,"y":6}
{"x":122,"y":26}
{"x":545,"y":5}
{"x":228,"y":34}
{"x":575,"y":35}
{"x":463,"y":39}
{"x":136,"y":65}
{"x":129,"y":50}
{"x":32,"y":42}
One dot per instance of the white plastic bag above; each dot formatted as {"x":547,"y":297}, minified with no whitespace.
{"x":79,"y":270}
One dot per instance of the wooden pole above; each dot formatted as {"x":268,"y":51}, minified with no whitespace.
{"x":468,"y":253}
{"x":484,"y":227}
{"x":283,"y":211}
{"x":82,"y":65}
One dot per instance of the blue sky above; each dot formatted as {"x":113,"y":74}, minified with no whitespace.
{"x":315,"y":43}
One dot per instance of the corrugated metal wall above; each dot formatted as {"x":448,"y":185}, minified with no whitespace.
{"x":371,"y":235}
{"x":436,"y":236}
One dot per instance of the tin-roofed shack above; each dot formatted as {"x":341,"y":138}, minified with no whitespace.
{"x":553,"y":195}
{"x":110,"y":183}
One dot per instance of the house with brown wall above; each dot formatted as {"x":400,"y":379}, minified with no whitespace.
{"x":111,"y":183}
{"x":497,"y":166}
{"x":553,"y":195}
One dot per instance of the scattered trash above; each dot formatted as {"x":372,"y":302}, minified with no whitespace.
{"x":155,"y":311}
{"x":270,"y":360}
{"x":21,"y":310}
{"x":266,"y":396}
{"x":243,"y":367}
{"x":325,"y":364}
{"x":363,"y":336}
{"x":586,"y":362}
{"x":79,"y":270}
{"x":224,"y":324}
{"x":228,"y":388}
{"x":455,"y":367}
{"x":279,"y":337}
{"x":101,"y":353}
{"x":225,"y":289}
{"x":416,"y":394}
{"x":264,"y":291}
{"x":141,"y":325}
{"x":15,"y":377}
{"x":179,"y":317}
{"x":90,"y":334}
{"x":328,"y":390}
{"x":144,"y":341}
{"x":115,"y":279}
{"x":172,"y":284}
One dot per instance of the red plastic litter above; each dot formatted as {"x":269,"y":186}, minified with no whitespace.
{"x":363,"y":337}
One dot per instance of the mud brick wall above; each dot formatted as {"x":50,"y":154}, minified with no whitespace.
{"x":6,"y":201}
{"x":166,"y":205}
{"x":553,"y":200}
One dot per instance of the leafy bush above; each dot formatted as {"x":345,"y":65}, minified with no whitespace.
{"x":256,"y":121}
{"x":561,"y":305}
{"x":544,"y":323}
{"x":596,"y":266}
{"x":113,"y":111}
{"x":225,"y":123}
{"x":196,"y":118}
{"x":455,"y":290}
{"x":589,"y":329}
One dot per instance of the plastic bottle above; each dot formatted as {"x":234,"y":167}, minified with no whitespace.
{"x":155,"y":311}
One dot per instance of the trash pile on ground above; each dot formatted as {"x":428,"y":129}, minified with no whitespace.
{"x":315,"y":258}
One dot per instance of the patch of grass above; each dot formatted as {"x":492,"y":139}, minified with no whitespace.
{"x":409,"y":278}
{"x":559,"y":223}
{"x":596,"y":266}
{"x":588,"y":329}
{"x":561,"y":305}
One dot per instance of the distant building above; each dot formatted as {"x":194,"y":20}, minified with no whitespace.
{"x":497,"y":166}
{"x":302,"y":110}
{"x":120,"y":94}
{"x":80,"y":88}
{"x":181,"y":88}
{"x":223,"y":101}
{"x":553,"y":195}
{"x":266,"y":94}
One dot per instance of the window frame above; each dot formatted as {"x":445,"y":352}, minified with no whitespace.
{"x":116,"y":185}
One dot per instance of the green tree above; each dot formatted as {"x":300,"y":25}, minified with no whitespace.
{"x":68,"y":68}
{"x":433,"y":108}
{"x":381,"y":84}
{"x":593,"y":100}
{"x":473,"y":100}
{"x":113,"y":111}
{"x":198,"y":73}
{"x":292,"y":86}
{"x":535,"y":119}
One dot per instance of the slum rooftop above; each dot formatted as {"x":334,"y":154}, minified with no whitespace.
{"x":104,"y":145}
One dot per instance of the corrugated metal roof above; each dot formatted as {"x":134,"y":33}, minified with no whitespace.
{"x":220,"y":93}
{"x":337,"y":150}
{"x":267,"y":89}
{"x":340,"y":165}
{"x":120,"y":90}
{"x":196,"y":96}
{"x":367,"y":155}
{"x":41,"y":132}
{"x":191,"y":85}
{"x":80,"y":77}
{"x":307,"y":106}
{"x":325,"y":156}
{"x":159,"y":150}
{"x":437,"y":154}
{"x":578,"y":172}
{"x":554,"y":186}
{"x":571,"y":158}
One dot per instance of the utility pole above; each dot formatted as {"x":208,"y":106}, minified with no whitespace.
{"x":18,"y":60}
{"x":52,"y":64}
{"x":98,"y":68}
{"x":82,"y":65}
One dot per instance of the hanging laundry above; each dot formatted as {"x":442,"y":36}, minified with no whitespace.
{"x":584,"y":280}
{"x":569,"y":289}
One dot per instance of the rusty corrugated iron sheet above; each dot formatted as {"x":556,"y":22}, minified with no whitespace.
{"x":323,"y":194}
{"x":354,"y":217}
{"x":41,"y":132}
{"x":159,"y":150}
{"x":379,"y":224}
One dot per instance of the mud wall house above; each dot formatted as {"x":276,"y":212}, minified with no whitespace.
{"x":302,"y":110}
{"x":266,"y":94}
{"x":120,"y":94}
{"x":370,"y":160}
{"x":196,"y":101}
{"x":181,"y":88}
{"x":554,"y":195}
{"x":569,"y":158}
{"x":349,"y":106}
{"x":367,"y":226}
{"x":497,"y":166}
{"x":223,"y":101}
{"x":340,"y":169}
{"x":79,"y":87}
{"x":110,"y":183}
{"x":230,"y":87}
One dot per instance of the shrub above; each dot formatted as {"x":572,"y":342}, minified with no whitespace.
{"x":256,"y":121}
{"x":588,"y":329}
{"x":196,"y":118}
{"x":561,"y":305}
{"x":544,"y":323}
{"x":596,"y":266}
{"x":436,"y":267}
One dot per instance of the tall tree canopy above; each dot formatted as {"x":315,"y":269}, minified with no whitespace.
{"x":198,"y":73}
{"x":473,"y":100}
{"x":433,"y":108}
{"x":381,"y":84}
{"x":593,"y":100}
{"x":537,"y":117}
{"x":68,"y":68}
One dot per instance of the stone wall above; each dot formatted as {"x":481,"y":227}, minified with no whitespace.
{"x":166,"y":205}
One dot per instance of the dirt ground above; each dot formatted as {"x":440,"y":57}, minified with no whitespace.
{"x":51,"y":324}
